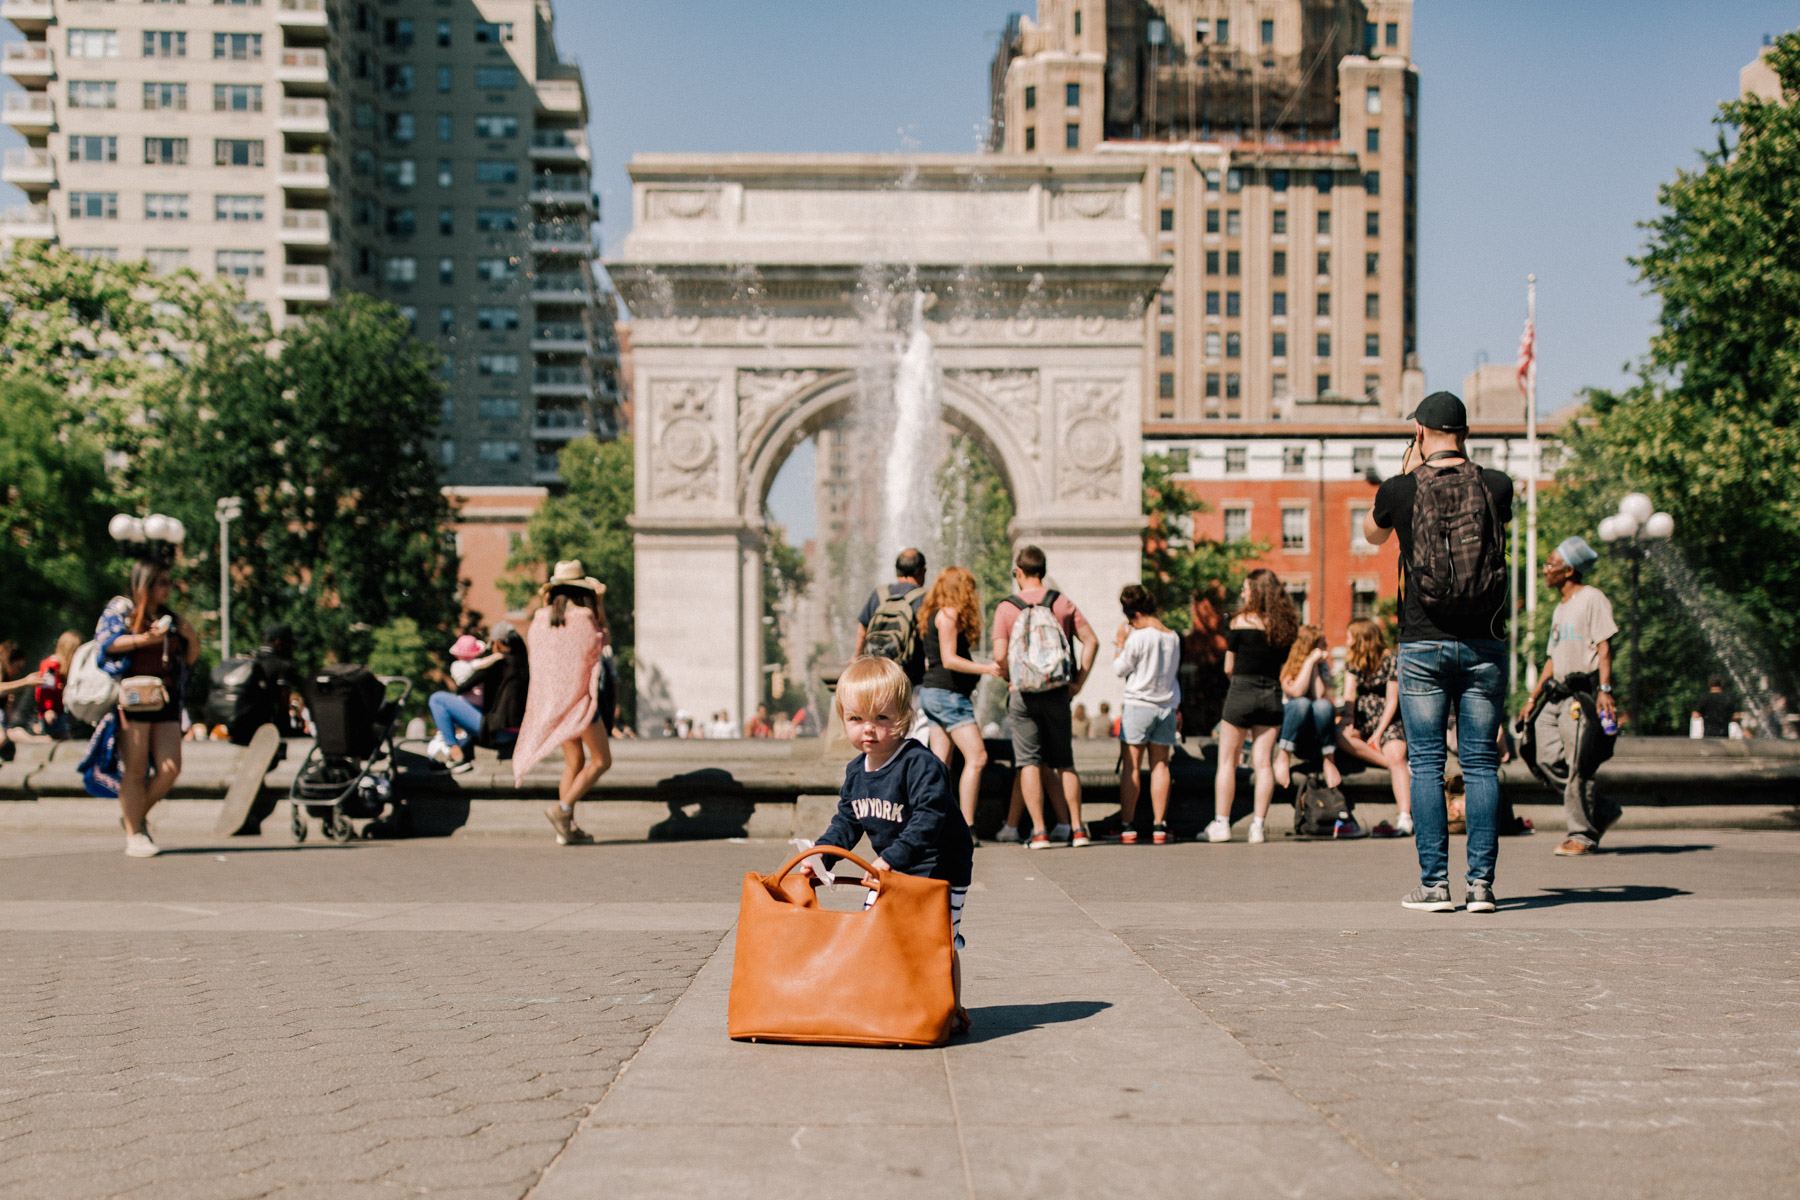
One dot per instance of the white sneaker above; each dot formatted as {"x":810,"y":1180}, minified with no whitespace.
{"x":1219,"y":830}
{"x":1257,"y":832}
{"x":139,"y":845}
{"x":1008,"y":833}
{"x":1404,"y":824}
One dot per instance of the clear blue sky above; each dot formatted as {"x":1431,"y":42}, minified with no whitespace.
{"x":1546,"y":127}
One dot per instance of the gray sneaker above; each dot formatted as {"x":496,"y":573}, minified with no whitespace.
{"x":1435,"y":898}
{"x":1480,"y":898}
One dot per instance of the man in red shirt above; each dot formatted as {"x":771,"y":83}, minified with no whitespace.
{"x":1043,"y":750}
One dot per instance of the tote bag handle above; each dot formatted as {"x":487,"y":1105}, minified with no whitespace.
{"x":775,"y":879}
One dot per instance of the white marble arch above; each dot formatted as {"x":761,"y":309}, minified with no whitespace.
{"x":751,"y":315}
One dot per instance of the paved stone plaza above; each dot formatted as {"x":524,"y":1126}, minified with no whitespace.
{"x":494,"y":1017}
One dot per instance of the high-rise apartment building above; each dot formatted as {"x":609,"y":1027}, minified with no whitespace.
{"x":429,"y":152}
{"x":1280,"y":142}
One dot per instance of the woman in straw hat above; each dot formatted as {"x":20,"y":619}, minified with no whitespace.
{"x":567,"y":641}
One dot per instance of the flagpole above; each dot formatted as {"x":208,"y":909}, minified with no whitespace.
{"x":1531,"y":474}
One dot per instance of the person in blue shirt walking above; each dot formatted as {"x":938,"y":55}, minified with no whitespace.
{"x":899,"y":794}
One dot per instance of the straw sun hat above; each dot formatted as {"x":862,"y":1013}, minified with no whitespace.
{"x":569,"y":573}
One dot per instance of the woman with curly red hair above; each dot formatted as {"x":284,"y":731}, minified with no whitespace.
{"x":949,"y":628}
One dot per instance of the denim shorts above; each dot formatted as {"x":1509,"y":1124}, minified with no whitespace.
{"x":946,"y":709}
{"x":1146,"y":724}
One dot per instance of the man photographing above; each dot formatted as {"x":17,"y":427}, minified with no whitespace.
{"x":1451,"y":517}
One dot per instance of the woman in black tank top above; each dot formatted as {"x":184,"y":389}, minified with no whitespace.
{"x":949,"y":625}
{"x":1256,"y":646}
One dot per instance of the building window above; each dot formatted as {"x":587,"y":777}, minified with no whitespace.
{"x":1212,"y":304}
{"x":239,"y":264}
{"x":1236,"y":460}
{"x":496,"y":270}
{"x":1278,"y":304}
{"x":1212,"y":262}
{"x":1165,"y":386}
{"x":446,"y":127}
{"x":1072,"y":95}
{"x":496,"y":171}
{"x":1372,"y":264}
{"x":1268,"y":33}
{"x":493,"y":32}
{"x":1224,"y":31}
{"x":1278,"y":263}
{"x":402,"y":172}
{"x":1372,"y":223}
{"x":446,"y":320}
{"x":1323,"y":264}
{"x":398,"y":78}
{"x":163,"y":43}
{"x":1372,"y":140}
{"x":167,"y":262}
{"x":499,"y":408}
{"x":90,"y":254}
{"x":1322,"y":385}
{"x":237,"y":97}
{"x":1165,"y":304}
{"x":84,"y":147}
{"x":403,"y":269}
{"x":238,"y":47}
{"x":97,"y":43}
{"x":1293,"y":460}
{"x":1278,"y":181}
{"x":446,"y":172}
{"x":1237,"y":520}
{"x":98,"y":206}
{"x":1372,"y":183}
{"x":1212,"y":385}
{"x":1212,"y":220}
{"x":443,"y":33}
{"x":443,"y":78}
{"x":1072,"y":137}
{"x":1213,"y":344}
{"x":1361,"y":458}
{"x":237,"y":152}
{"x":1234,"y":345}
{"x":1278,"y":223}
{"x":1233,"y":303}
{"x":165,"y":151}
{"x":401,"y":126}
{"x":1372,"y":387}
{"x":1233,"y":223}
{"x":1030,"y":98}
{"x":1372,"y":305}
{"x":446,"y":270}
{"x":1167,"y":220}
{"x":499,"y":452}
{"x":165,"y":206}
{"x":1295,"y":523}
{"x":1371,"y":345}
{"x":1324,"y":225}
{"x":447,"y":449}
{"x":1165,"y":344}
{"x":397,"y":32}
{"x":1232,"y":263}
{"x":1322,"y":305}
{"x":1165,"y":181}
{"x":1372,"y":101}
{"x":447,"y":222}
{"x":1212,"y":180}
{"x":1482,"y":456}
{"x":95,"y":93}
{"x":1030,"y":137}
{"x":401,"y":222}
{"x":497,"y":364}
{"x":1278,"y":345}
{"x":1233,"y":384}
{"x":496,"y":319}
{"x":1362,"y":591}
{"x":1078,"y":22}
{"x":1324,"y":347}
{"x":496,"y":79}
{"x":1234,"y":181}
{"x":495,"y":125}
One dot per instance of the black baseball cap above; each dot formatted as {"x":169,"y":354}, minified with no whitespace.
{"x":1443,"y":412}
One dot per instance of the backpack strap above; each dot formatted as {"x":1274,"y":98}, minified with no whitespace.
{"x":1051,"y":596}
{"x":914,"y":596}
{"x":1447,"y":454}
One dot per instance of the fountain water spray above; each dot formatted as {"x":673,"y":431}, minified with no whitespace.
{"x":911,"y":512}
{"x":1735,"y":653}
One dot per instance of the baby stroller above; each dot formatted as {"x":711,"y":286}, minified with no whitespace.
{"x":348,"y":774}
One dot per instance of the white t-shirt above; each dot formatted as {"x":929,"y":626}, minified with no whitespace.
{"x":1149,"y":663}
{"x":1577,"y":628}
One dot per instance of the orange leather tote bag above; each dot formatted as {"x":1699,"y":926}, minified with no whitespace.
{"x":880,"y":977}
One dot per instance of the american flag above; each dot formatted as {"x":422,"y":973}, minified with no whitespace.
{"x":1527,"y":356}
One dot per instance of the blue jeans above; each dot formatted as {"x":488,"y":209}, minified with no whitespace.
{"x":1300,"y":716}
{"x":453,"y":714}
{"x":1472,"y":676}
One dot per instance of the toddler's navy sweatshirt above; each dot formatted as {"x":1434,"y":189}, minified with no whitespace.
{"x":909,"y":811}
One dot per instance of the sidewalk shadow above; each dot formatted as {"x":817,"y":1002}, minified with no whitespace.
{"x":1003,"y":1020}
{"x":1627,"y":893}
{"x":1619,"y":851}
{"x":224,"y":847}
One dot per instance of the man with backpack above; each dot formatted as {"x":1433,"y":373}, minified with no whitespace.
{"x":1036,"y":630}
{"x":888,"y":625}
{"x":1451,"y":516}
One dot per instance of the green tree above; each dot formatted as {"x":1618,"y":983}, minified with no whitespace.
{"x":784,"y":577}
{"x":1711,"y":429}
{"x":1177,"y":565}
{"x":400,"y":648}
{"x":589,"y":521}
{"x":56,"y":558}
{"x":978,"y":513}
{"x":344,"y":526}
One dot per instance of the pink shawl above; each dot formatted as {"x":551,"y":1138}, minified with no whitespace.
{"x":565,"y":684}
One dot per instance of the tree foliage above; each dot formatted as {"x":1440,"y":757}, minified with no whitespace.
{"x":56,"y":558}
{"x":1177,"y":565}
{"x":1711,"y":429}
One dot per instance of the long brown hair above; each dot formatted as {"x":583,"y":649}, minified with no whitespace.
{"x":1368,"y":646}
{"x":562,"y":597}
{"x":143,"y":577}
{"x":954,"y":589}
{"x":1305,"y":642}
{"x":1270,"y":601}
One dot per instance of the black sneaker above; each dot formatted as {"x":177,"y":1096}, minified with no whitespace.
{"x":1433,"y":898}
{"x":1480,"y":898}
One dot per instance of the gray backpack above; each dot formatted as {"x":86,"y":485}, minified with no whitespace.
{"x":1458,"y":567}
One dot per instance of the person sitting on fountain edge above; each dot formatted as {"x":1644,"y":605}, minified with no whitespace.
{"x":1578,"y":658}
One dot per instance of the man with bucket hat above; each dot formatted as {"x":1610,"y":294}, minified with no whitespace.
{"x":1451,"y":516}
{"x":1571,"y":706}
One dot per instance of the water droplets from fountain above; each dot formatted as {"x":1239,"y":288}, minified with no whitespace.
{"x":912,"y":510}
{"x":1735,"y":652}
